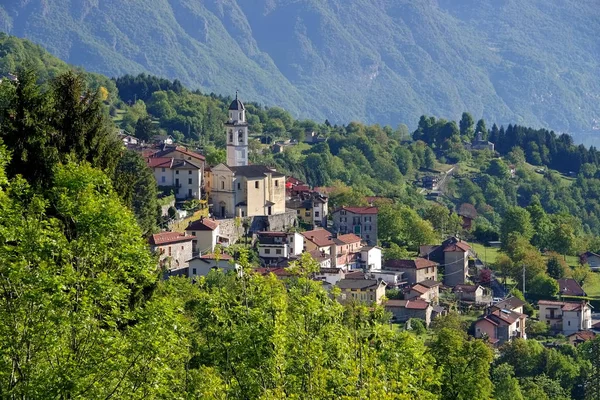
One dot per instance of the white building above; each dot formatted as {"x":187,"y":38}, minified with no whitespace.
{"x":370,"y":258}
{"x":237,"y":135}
{"x":274,"y":246}
{"x":184,"y":176}
{"x":566,"y":317}
{"x":202,"y":265}
{"x":206,"y":235}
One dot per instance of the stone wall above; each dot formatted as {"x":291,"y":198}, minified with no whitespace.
{"x":278,"y":223}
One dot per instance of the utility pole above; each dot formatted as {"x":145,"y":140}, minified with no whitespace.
{"x":523,"y":280}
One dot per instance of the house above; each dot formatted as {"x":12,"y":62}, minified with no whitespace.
{"x":570,"y":287}
{"x":370,"y":258}
{"x":180,"y":153}
{"x":428,"y":290}
{"x":312,"y":137}
{"x":361,"y":221}
{"x":566,"y":317}
{"x":592,"y":259}
{"x":393,"y":279}
{"x":403,"y":310}
{"x":500,"y":326}
{"x":322,"y":258}
{"x":206,"y":233}
{"x":174,"y":249}
{"x":330,"y":275}
{"x":183,"y":176}
{"x":480,"y":144}
{"x":319,"y":239}
{"x":416,"y":270}
{"x":246,"y":191}
{"x":162,"y":139}
{"x":311,"y":207}
{"x":202,"y":265}
{"x":128,"y":140}
{"x":473,"y":294}
{"x":430,"y":182}
{"x":363,"y":290}
{"x":468,"y":214}
{"x":512,"y":303}
{"x":580,"y":337}
{"x":454,"y":255}
{"x":273,"y":246}
{"x":347,"y":251}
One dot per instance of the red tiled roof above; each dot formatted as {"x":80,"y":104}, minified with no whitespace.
{"x":565,"y":306}
{"x":271,"y":234}
{"x":360,"y":210}
{"x":320,"y":237}
{"x":417,"y":304}
{"x":417,"y":263}
{"x":419,"y":288}
{"x":318,"y":256}
{"x":551,"y":303}
{"x":349,"y":238}
{"x":163,"y":238}
{"x":570,"y":287}
{"x":277,"y":271}
{"x":583,"y":335}
{"x":162,"y":162}
{"x":203,"y":224}
{"x":458,"y":246}
{"x":466,"y":288}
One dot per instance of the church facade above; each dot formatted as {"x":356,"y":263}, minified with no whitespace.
{"x":238,"y":189}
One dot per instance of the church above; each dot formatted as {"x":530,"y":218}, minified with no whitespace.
{"x":238,"y":189}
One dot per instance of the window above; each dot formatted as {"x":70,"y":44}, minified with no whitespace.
{"x":276,"y":183}
{"x":368,"y":237}
{"x":189,"y":158}
{"x":163,"y":179}
{"x":243,"y":214}
{"x":231,"y":136}
{"x":277,"y":251}
{"x":190,"y":192}
{"x":307,"y":213}
{"x":163,"y":170}
{"x":239,"y":186}
{"x":267,"y":251}
{"x":569,"y":323}
{"x":222,"y":184}
{"x":177,"y":172}
{"x":190,"y":172}
{"x":256,"y":184}
{"x":194,"y":233}
{"x":316,"y":213}
{"x":190,"y":181}
{"x":194,"y":271}
{"x":298,"y":212}
{"x":181,"y":247}
{"x":240,"y":118}
{"x":169,"y":251}
{"x":343,"y":212}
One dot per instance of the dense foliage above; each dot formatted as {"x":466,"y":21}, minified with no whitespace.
{"x":372,"y":61}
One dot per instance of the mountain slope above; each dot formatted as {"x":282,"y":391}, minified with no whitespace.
{"x":376,"y":60}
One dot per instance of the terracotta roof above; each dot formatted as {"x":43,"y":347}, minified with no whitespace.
{"x":163,"y":238}
{"x":570,"y":287}
{"x":318,"y":256}
{"x":359,"y":210}
{"x":429,"y":283}
{"x":330,"y":271}
{"x":583,"y":335}
{"x":359,"y":284}
{"x":571,"y":307}
{"x":417,"y":304}
{"x":320,"y":237}
{"x":417,"y":263}
{"x":203,"y":224}
{"x":159,"y":162}
{"x":419,"y":288}
{"x":349,"y":238}
{"x":551,"y":303}
{"x":212,"y":256}
{"x":278,"y":271}
{"x":466,"y":288}
{"x":355,"y":275}
{"x":565,"y":305}
{"x":596,"y":325}
{"x":458,"y":246}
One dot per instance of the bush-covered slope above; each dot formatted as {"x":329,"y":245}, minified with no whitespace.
{"x":377,"y":61}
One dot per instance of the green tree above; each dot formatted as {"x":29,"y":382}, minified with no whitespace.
{"x":466,"y":125}
{"x":543,"y":285}
{"x":135,"y":183}
{"x":556,"y":266}
{"x":145,"y":129}
{"x":506,"y":386}
{"x":481,"y":128}
{"x":515,"y":220}
{"x":590,"y":351}
{"x":498,"y":169}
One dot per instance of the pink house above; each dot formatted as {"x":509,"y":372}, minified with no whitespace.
{"x":501,"y":326}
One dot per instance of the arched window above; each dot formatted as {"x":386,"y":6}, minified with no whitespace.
{"x":241,"y":136}
{"x":231,"y":136}
{"x":241,"y":117}
{"x":222,"y":184}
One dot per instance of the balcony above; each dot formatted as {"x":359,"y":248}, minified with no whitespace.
{"x":553,"y":316}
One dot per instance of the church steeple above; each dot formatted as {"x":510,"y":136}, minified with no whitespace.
{"x":237,"y":134}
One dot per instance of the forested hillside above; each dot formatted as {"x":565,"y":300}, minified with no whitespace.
{"x":533,"y":64}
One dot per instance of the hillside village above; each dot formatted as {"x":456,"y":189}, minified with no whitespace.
{"x":282,"y":218}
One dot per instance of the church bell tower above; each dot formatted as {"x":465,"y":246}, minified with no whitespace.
{"x":237,"y":134}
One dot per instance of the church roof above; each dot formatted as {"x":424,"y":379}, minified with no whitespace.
{"x":254,"y":171}
{"x":237,"y":105}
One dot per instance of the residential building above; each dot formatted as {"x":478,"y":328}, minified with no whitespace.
{"x":361,"y":221}
{"x":311,"y":207}
{"x":364,"y":290}
{"x":581,"y":337}
{"x":128,"y":140}
{"x":202,"y":265}
{"x":428,"y":290}
{"x":566,"y":317}
{"x":592,"y":259}
{"x":512,"y":303}
{"x":180,"y":153}
{"x":237,"y":135}
{"x":347,"y":251}
{"x":473,"y":294}
{"x":500,"y":326}
{"x":206,"y":235}
{"x":184,"y":176}
{"x":274,"y":246}
{"x":174,"y":249}
{"x":330,"y":275}
{"x":393,"y":279}
{"x":162,"y":139}
{"x":416,"y":270}
{"x":323,"y":259}
{"x":453,"y":254}
{"x":370,"y":258}
{"x":403,"y":310}
{"x":320,"y":240}
{"x":570,"y":287}
{"x":246,"y":191}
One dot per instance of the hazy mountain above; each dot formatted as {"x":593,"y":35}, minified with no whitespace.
{"x":386,"y":61}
